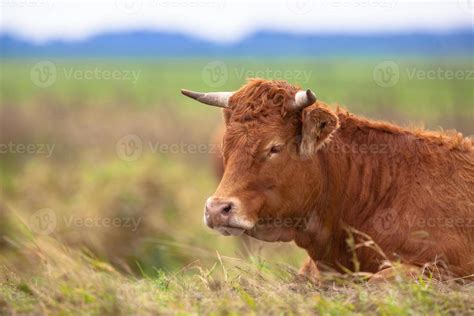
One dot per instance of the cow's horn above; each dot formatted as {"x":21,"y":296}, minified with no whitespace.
{"x":304,"y":99}
{"x":220,"y":99}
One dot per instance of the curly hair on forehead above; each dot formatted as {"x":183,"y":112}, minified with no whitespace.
{"x":261,"y":98}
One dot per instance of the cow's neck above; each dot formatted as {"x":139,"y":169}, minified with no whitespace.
{"x":357,"y":176}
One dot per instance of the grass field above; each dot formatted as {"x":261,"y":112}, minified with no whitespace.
{"x":101,"y":209}
{"x":424,"y":89}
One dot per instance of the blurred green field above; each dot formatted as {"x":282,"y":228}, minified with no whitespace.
{"x":168,"y":261}
{"x":426,"y":90}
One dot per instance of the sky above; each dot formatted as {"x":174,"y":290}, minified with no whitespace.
{"x":227,"y":20}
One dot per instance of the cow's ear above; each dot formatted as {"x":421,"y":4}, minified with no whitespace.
{"x":318,"y":124}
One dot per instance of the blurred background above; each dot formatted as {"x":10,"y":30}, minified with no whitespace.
{"x":100,"y":152}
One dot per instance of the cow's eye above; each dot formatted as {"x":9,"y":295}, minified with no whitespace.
{"x":275,"y":149}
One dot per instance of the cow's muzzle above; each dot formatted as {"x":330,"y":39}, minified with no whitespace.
{"x":224,"y":216}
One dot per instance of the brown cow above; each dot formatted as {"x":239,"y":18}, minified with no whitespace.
{"x":295,"y":170}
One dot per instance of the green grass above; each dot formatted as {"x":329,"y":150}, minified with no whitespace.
{"x":348,"y":82}
{"x":68,"y":282}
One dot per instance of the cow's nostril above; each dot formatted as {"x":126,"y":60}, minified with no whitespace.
{"x":215,"y":206}
{"x":227,"y":208}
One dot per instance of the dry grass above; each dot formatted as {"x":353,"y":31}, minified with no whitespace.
{"x":48,"y":278}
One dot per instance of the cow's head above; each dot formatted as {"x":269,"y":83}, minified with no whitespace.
{"x":273,"y":131}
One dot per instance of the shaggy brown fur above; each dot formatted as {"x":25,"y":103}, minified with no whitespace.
{"x":334,"y":176}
